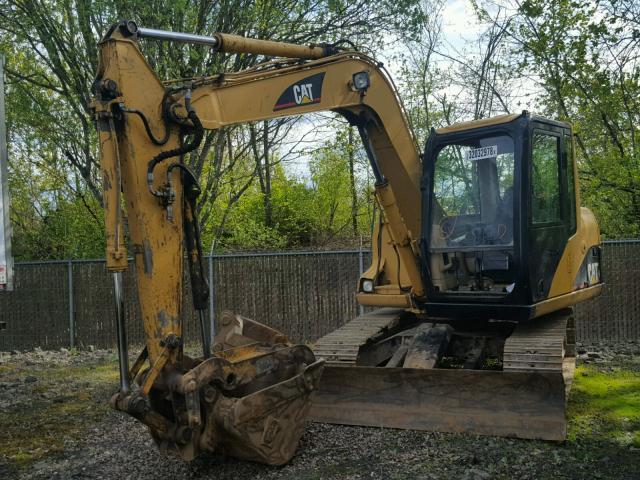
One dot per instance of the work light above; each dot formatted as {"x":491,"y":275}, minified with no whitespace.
{"x":361,"y":81}
{"x":367,"y":286}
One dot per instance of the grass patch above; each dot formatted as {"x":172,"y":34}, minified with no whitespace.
{"x":33,"y":434}
{"x":605,"y":404}
{"x":6,"y":369}
{"x":94,"y":374}
{"x":75,"y":400}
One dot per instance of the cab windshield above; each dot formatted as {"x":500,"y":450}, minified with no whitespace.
{"x":472,"y":213}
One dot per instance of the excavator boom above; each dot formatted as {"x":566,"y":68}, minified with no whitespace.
{"x":250,"y":396}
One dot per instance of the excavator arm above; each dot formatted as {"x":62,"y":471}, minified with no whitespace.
{"x":249,"y":397}
{"x":356,"y":87}
{"x":269,"y":91}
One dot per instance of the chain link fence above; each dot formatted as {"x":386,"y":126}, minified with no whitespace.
{"x":614,"y":316}
{"x":304,"y":294}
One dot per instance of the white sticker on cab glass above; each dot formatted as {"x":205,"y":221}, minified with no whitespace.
{"x":481,"y":153}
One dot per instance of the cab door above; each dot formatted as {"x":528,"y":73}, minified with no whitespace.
{"x":548,"y":203}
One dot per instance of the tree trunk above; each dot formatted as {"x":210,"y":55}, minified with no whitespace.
{"x":352,"y":179}
{"x":268,"y":207}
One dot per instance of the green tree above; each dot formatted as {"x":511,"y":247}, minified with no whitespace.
{"x":586,"y":58}
{"x":48,"y":223}
{"x":292,"y":224}
{"x":52,"y":56}
{"x":341,"y":191}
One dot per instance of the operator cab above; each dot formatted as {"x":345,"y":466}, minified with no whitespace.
{"x":498,"y":208}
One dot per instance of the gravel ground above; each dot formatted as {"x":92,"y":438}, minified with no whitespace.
{"x":108,"y":444}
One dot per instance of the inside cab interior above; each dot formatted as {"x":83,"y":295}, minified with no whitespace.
{"x":472,"y":209}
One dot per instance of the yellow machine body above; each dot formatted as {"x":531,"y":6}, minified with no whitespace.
{"x":251,"y":395}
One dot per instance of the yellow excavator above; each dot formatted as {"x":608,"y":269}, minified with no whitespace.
{"x":480,"y":251}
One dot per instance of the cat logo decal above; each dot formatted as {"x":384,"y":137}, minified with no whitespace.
{"x":303,"y":92}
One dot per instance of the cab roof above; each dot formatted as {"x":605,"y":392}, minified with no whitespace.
{"x":483,"y":122}
{"x":497,"y":120}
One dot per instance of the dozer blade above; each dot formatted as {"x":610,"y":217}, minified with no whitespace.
{"x":511,"y":404}
{"x":371,"y":377}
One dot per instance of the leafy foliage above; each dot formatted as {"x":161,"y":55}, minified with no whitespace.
{"x":314,"y":211}
{"x":52,"y":57}
{"x":576,"y":61}
{"x":585,"y":55}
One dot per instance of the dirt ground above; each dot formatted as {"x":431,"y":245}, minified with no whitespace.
{"x":55,"y":423}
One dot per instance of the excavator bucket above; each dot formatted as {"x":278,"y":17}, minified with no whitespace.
{"x":250,"y":399}
{"x":364,"y":385}
{"x":263,"y":420}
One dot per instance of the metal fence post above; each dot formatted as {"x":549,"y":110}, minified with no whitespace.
{"x":72,"y":323}
{"x":212,"y":302}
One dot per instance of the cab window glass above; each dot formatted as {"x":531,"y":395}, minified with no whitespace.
{"x":545,"y":182}
{"x":473,"y":193}
{"x":571,"y":191}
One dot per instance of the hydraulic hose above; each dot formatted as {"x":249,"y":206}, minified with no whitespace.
{"x":176,"y":152}
{"x":147,"y":127}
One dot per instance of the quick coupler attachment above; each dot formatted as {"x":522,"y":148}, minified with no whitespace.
{"x":250,"y":401}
